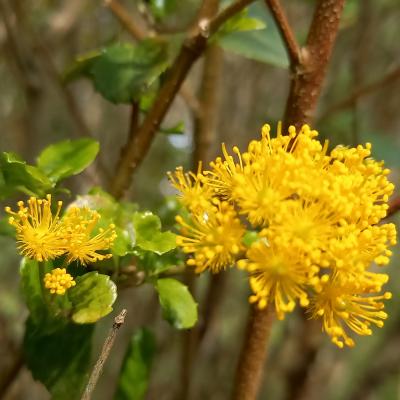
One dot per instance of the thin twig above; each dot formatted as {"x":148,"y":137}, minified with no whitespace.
{"x":105,"y":352}
{"x":309,"y":74}
{"x":253,"y":354}
{"x":125,"y":18}
{"x":192,"y":48}
{"x":285,"y":30}
{"x":390,"y":77}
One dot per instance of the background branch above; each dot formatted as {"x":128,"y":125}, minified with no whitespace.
{"x":392,"y":76}
{"x":285,"y":31}
{"x":137,"y":32}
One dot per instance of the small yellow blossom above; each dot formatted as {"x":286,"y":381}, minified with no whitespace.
{"x":80,"y":241}
{"x":347,"y":305}
{"x":278,"y":275}
{"x":58,"y":281}
{"x":195,"y":194}
{"x":214,"y":236}
{"x":39,"y":232}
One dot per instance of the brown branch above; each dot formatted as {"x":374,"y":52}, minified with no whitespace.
{"x":394,"y":207}
{"x":191,"y":50}
{"x":105,"y":352}
{"x":309,"y":74}
{"x":361,"y":92}
{"x":285,"y":31}
{"x":253,"y":354}
{"x":125,"y":18}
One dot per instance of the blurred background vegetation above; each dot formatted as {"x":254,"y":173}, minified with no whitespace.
{"x":39,"y":42}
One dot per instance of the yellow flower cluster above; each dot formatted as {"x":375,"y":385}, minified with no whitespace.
{"x":43,"y":236}
{"x":316,"y":216}
{"x":58,"y":281}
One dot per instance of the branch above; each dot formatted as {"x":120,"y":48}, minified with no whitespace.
{"x":309,"y":74}
{"x":11,"y":374}
{"x":253,"y":354}
{"x":361,"y":92}
{"x":105,"y":352}
{"x":394,"y":206}
{"x":124,"y":17}
{"x":285,"y":31}
{"x":192,"y":48}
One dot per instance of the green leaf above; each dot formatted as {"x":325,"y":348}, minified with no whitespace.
{"x":263,"y":45}
{"x":61,"y":359}
{"x":135,"y":372}
{"x":32,"y":289}
{"x":153,"y":264}
{"x":17,"y":176}
{"x":178,"y":129}
{"x":81,"y":66}
{"x":148,"y":235}
{"x":178,"y":305}
{"x":240,"y":22}
{"x":92,"y":297}
{"x":66,"y":158}
{"x":124,"y":72}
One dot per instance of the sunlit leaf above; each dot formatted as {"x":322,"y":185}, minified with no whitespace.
{"x":92,"y":297}
{"x":178,"y":305}
{"x":66,"y":158}
{"x":148,"y":235}
{"x":264,"y":45}
{"x":17,"y":176}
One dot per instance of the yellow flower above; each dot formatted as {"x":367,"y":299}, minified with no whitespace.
{"x":39,"y":232}
{"x":278,"y":275}
{"x":80,"y":241}
{"x":58,"y":281}
{"x":317,"y":215}
{"x":347,"y":305}
{"x":213,"y":237}
{"x":269,"y":173}
{"x":195,"y":193}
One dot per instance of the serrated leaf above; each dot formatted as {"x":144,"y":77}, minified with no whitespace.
{"x":124,"y":72}
{"x":148,"y":235}
{"x":135,"y":372}
{"x":178,"y":305}
{"x":263,"y":45}
{"x":17,"y":176}
{"x":92,"y":297}
{"x":61,"y":359}
{"x":66,"y":158}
